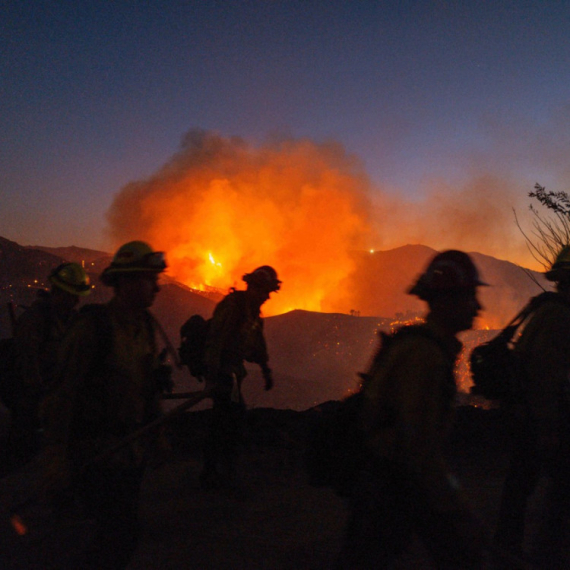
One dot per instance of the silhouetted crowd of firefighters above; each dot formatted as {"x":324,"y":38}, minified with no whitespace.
{"x":87,"y":379}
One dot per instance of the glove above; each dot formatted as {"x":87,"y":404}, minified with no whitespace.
{"x":268,"y":377}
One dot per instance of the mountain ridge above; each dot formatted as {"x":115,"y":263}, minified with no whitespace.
{"x":315,"y":356}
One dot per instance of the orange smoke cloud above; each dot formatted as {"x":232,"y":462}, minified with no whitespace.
{"x":221,"y":207}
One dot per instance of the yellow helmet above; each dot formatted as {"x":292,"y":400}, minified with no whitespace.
{"x":70,"y":277}
{"x":560,"y":270}
{"x":134,"y":257}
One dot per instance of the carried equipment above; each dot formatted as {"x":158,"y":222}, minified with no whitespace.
{"x":193,"y":335}
{"x":335,"y":450}
{"x":495,"y":370}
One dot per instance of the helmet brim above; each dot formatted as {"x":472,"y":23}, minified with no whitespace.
{"x":109,"y":275}
{"x":558,"y":274}
{"x":80,"y":290}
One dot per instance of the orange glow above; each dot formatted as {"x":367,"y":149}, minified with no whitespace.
{"x":297,"y":206}
{"x":18,"y":525}
{"x":222,"y":207}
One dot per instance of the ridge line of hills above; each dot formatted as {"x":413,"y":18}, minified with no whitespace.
{"x":315,"y":356}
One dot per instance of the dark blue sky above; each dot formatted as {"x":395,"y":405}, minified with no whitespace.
{"x":95,"y":95}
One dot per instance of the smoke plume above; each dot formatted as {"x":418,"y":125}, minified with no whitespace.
{"x":476,"y":214}
{"x":222,"y":206}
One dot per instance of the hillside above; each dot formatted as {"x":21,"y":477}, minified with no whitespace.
{"x":315,"y":356}
{"x":74,"y":253}
{"x":380,"y":280}
{"x":24,"y":270}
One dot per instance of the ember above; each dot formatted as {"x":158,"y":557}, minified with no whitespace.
{"x":404,"y":320}
{"x":18,"y":525}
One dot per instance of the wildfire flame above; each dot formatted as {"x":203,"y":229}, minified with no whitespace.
{"x":221,"y":208}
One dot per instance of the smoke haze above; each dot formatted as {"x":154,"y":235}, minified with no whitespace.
{"x":222,"y":206}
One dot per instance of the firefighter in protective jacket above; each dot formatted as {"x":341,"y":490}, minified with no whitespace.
{"x":38,"y":334}
{"x":406,"y":487}
{"x":542,"y":437}
{"x":235,"y":336}
{"x":106,"y":389}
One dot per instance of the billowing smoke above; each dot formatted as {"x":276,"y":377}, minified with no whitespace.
{"x":222,"y":206}
{"x":477,"y":214}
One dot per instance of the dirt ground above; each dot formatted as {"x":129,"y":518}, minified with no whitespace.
{"x":272,"y":520}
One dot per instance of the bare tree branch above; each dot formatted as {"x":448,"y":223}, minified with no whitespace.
{"x":549,"y":234}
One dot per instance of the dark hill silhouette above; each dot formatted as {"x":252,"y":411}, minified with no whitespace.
{"x":380,"y":280}
{"x":22,"y":266}
{"x":73,"y":253}
{"x":24,"y":270}
{"x":314,"y":356}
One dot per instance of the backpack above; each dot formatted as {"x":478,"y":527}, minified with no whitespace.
{"x":193,"y":335}
{"x":494,"y":365}
{"x":335,"y":451}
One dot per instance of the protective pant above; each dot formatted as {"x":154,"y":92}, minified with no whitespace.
{"x":223,"y":440}
{"x":385,"y":513}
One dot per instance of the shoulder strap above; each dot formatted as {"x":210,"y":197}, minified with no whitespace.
{"x":154,"y":324}
{"x":389,"y":339}
{"x":508,"y":332}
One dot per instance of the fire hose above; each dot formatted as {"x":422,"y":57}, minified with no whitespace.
{"x":191,"y":399}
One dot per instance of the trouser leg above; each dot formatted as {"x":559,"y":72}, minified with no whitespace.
{"x":521,"y":481}
{"x":222,"y":442}
{"x":379,"y":525}
{"x":112,"y":498}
